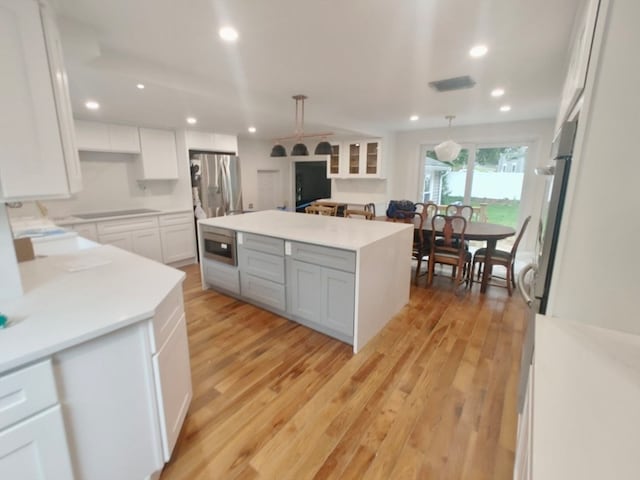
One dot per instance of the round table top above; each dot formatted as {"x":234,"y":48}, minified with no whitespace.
{"x":481,"y":231}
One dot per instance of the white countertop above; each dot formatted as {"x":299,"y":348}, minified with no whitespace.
{"x":71,"y":220}
{"x":61,"y":308}
{"x":338,"y":232}
{"x":586,"y":419}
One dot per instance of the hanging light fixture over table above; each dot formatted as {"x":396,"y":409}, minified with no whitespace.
{"x":448,"y":150}
{"x":300,"y":149}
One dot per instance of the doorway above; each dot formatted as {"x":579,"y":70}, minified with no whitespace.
{"x":269,"y":189}
{"x":311,"y":183}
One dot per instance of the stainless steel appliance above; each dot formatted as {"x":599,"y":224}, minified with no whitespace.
{"x":536,"y":293}
{"x":217,"y":183}
{"x":219,"y":244}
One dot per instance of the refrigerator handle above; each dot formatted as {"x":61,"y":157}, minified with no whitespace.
{"x":521,"y":286}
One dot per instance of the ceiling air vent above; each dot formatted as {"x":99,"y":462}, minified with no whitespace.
{"x":456,"y":83}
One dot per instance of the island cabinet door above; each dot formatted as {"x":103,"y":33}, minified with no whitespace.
{"x":304,"y":290}
{"x":338,"y":300}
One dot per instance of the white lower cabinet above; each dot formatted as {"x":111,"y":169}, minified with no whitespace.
{"x":173,"y":381}
{"x":147,"y":244}
{"x":178,"y":242}
{"x":524,"y":440}
{"x":36,"y":448}
{"x":86,"y":230}
{"x":122,"y":240}
{"x":33,"y":443}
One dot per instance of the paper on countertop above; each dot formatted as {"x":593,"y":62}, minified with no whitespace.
{"x":85,"y":263}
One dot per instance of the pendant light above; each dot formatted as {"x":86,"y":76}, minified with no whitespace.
{"x":448,"y":150}
{"x":300,"y":149}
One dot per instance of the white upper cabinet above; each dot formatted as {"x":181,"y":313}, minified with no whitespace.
{"x":356,"y":159}
{"x":104,"y":137}
{"x":38,"y":157}
{"x":211,"y":142}
{"x":159,"y":159}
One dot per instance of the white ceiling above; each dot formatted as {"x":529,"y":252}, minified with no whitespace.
{"x":365,"y":64}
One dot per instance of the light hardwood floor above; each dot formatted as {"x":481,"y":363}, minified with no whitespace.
{"x":433,"y":396}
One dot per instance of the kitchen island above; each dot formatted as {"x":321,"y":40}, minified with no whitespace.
{"x":343,"y":277}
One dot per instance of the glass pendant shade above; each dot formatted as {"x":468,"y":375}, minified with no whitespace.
{"x":447,"y":151}
{"x":278,"y":151}
{"x":299,"y":150}
{"x":323,"y":148}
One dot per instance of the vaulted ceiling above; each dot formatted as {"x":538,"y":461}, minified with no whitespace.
{"x":365,"y":64}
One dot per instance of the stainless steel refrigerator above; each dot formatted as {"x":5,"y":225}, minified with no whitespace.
{"x":216,"y":181}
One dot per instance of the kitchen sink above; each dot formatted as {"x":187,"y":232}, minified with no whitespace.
{"x":117,"y":213}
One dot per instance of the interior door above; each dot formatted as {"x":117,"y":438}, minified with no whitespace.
{"x":269,"y":189}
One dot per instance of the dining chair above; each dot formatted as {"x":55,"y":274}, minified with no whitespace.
{"x":465,"y":211}
{"x":419,"y":249}
{"x":359,"y":213}
{"x":447,"y":250}
{"x":371,"y":207}
{"x":502,"y":258}
{"x":321,"y":210}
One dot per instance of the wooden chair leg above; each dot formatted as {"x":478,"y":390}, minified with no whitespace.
{"x":430,"y":272}
{"x":513,"y":274}
{"x":415,"y":279}
{"x":509,"y":279}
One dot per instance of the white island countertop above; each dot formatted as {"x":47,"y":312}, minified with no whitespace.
{"x":338,"y":232}
{"x":70,"y":299}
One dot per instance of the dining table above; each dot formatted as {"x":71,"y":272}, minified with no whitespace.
{"x":480,"y":231}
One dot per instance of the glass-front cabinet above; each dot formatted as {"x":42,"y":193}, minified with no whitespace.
{"x":355,"y":159}
{"x":334,"y":160}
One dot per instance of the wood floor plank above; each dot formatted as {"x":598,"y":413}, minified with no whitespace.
{"x":432,"y":396}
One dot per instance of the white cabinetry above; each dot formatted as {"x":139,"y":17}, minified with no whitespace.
{"x":138,"y":235}
{"x":158,"y":157}
{"x":212,"y":142}
{"x":38,"y":158}
{"x":86,"y":230}
{"x":104,"y":137}
{"x":178,"y":238}
{"x":32,"y":434}
{"x":360,"y":159}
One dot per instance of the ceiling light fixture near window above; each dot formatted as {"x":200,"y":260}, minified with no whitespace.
{"x":414,"y":118}
{"x":192,"y":120}
{"x":140,"y":86}
{"x":478,"y":51}
{"x":505,"y":108}
{"x":228,"y":34}
{"x":92,"y":105}
{"x":252,"y":129}
{"x":497,"y":92}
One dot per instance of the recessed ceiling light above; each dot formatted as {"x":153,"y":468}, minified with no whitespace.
{"x":140,"y":86}
{"x":192,"y":120}
{"x":505,"y":108}
{"x":478,"y":51}
{"x":497,"y":92}
{"x":92,"y":105}
{"x":228,"y":34}
{"x":414,"y":118}
{"x":252,"y":129}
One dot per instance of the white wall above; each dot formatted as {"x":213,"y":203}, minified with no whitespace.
{"x":538,"y":134}
{"x":254,"y":156}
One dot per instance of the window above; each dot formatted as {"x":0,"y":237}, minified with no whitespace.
{"x":489,"y":178}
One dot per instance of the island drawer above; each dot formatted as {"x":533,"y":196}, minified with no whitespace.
{"x":25,"y":392}
{"x":261,"y":243}
{"x":263,"y":291}
{"x":324,"y":256}
{"x":221,"y":275}
{"x":260,"y":264}
{"x":167,"y":314}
